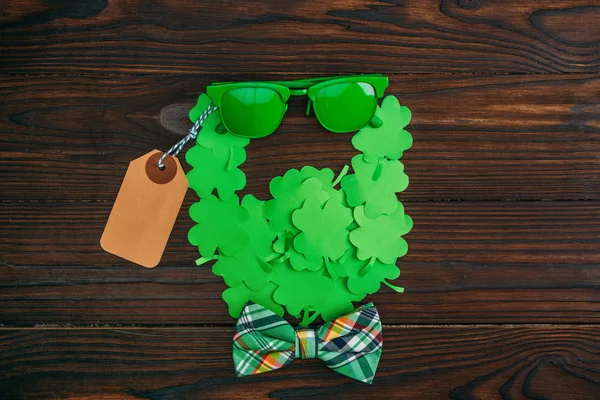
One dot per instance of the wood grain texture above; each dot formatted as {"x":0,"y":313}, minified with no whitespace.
{"x":460,"y":363}
{"x":409,"y":36}
{"x":468,"y":262}
{"x":475,"y":138}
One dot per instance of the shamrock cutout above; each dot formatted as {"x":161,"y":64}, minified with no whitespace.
{"x":202,"y":104}
{"x":260,"y":233}
{"x":324,"y":232}
{"x":381,"y":237}
{"x":248,"y":264}
{"x":253,"y":271}
{"x":219,"y":226}
{"x":390,"y":139}
{"x":237,"y":297}
{"x":312,"y":249}
{"x":366,"y":277}
{"x":221,"y":144}
{"x":375,"y":185}
{"x":299,"y":262}
{"x":300,"y":290}
{"x":339,"y":301}
{"x":370,"y":282}
{"x":347,"y":265}
{"x":325,"y":176}
{"x":210,"y":173}
{"x":283,"y":246}
{"x":289,"y":193}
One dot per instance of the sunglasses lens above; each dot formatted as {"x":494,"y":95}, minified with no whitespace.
{"x":345,"y":107}
{"x":252,"y":112}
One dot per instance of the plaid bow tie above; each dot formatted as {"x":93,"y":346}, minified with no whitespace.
{"x":350,"y":345}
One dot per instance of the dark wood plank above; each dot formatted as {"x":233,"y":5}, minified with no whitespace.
{"x":460,"y":363}
{"x":468,"y":262}
{"x":414,"y":36}
{"x":496,"y":137}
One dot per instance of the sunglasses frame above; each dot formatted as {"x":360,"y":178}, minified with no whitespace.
{"x":216,"y":90}
{"x":301,"y":87}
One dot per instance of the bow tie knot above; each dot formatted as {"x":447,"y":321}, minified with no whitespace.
{"x":306,"y":344}
{"x":350,"y":345}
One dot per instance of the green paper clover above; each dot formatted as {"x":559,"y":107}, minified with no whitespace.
{"x":348,"y":265}
{"x":389,"y":140}
{"x":210,"y":173}
{"x":365,"y":277}
{"x":283,"y":246}
{"x":369,"y":281}
{"x":289,"y":193}
{"x":325,"y":176}
{"x":381,"y":237}
{"x":324,"y":232}
{"x":339,"y":301}
{"x":312,"y":249}
{"x":300,"y":263}
{"x":375,"y":185}
{"x":300,"y":290}
{"x":202,"y":104}
{"x":237,"y":297}
{"x":260,"y":233}
{"x":342,"y":267}
{"x":253,"y":271}
{"x":219,"y":225}
{"x":221,"y":144}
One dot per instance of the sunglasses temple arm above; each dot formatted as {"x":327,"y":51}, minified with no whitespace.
{"x":308,"y":108}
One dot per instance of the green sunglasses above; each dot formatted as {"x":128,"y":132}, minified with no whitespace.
{"x":256,"y":109}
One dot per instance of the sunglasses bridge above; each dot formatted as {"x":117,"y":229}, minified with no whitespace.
{"x":302,"y":92}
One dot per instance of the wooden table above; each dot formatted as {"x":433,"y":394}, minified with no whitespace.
{"x":502,"y":276}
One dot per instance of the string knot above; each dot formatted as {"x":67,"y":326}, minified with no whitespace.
{"x":192,"y":134}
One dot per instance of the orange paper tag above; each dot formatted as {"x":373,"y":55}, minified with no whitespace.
{"x":145,"y":211}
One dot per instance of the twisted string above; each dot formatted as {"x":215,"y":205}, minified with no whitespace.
{"x":192,"y":133}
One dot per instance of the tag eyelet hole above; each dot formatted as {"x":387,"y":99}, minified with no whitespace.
{"x":158,"y":174}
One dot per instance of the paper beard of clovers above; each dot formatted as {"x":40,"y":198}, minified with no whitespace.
{"x":322,"y":242}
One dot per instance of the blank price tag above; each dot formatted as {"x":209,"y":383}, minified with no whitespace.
{"x":145,"y":210}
